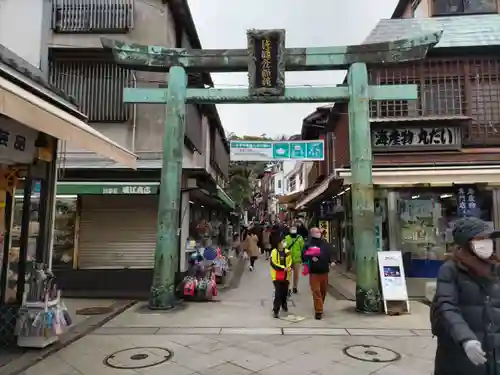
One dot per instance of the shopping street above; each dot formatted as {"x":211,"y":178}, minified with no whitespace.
{"x":239,"y":336}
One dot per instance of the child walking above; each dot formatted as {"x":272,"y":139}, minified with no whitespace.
{"x":281,"y":271}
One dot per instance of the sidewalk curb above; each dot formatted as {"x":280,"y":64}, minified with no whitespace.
{"x":75,"y":333}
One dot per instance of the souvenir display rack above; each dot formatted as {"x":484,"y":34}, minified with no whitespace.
{"x":42,"y":317}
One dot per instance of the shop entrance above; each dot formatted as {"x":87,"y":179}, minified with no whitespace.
{"x":266,"y":60}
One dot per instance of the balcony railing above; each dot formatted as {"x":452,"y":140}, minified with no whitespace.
{"x":464,"y":88}
{"x":92,"y":16}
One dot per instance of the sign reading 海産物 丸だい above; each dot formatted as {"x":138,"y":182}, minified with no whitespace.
{"x":279,"y":150}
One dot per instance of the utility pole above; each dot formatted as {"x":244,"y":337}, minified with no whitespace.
{"x":368,"y":297}
{"x":167,"y":254}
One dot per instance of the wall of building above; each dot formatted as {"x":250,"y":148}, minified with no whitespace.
{"x":143,"y":133}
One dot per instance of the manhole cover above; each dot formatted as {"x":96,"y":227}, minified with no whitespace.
{"x":371,"y":353}
{"x":98,"y":310}
{"x":135,"y":358}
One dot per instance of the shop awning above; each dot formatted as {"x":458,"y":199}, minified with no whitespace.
{"x":316,"y":193}
{"x":290,"y":198}
{"x":34,"y":112}
{"x":225,"y":198}
{"x":436,"y":176}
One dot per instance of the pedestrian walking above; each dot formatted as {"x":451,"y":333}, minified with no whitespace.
{"x":465,"y":312}
{"x":252,"y":247}
{"x":302,"y":229}
{"x":266,"y":241}
{"x":281,"y":263}
{"x":317,"y":257}
{"x":295,"y":243}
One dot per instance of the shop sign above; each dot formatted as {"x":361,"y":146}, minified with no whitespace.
{"x":17,"y":142}
{"x":128,"y":189}
{"x":324,"y":227}
{"x":392,"y":277}
{"x":107,"y":189}
{"x":466,"y":200}
{"x":401,"y":139}
{"x":266,"y":68}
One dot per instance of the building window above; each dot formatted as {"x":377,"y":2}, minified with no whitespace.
{"x":451,"y":7}
{"x":292,"y":183}
{"x":279,"y":184}
{"x":97,"y":87}
{"x":443,"y":97}
{"x":485,"y":110}
{"x":92,"y":16}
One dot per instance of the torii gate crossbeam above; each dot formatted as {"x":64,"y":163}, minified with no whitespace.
{"x":266,"y":60}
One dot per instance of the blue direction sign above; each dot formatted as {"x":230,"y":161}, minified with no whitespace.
{"x":298,"y":150}
{"x":281,"y":150}
{"x":315,"y":150}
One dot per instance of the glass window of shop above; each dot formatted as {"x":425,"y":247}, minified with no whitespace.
{"x":64,"y":228}
{"x":425,"y":220}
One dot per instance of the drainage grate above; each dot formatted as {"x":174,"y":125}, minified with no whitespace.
{"x":96,"y":310}
{"x":138,"y":358}
{"x":371,"y":353}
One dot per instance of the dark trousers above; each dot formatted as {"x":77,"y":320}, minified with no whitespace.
{"x":280,"y":294}
{"x":252,"y":261}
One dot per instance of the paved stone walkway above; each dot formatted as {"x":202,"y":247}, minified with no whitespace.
{"x":238,"y":336}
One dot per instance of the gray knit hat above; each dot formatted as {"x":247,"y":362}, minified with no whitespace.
{"x":465,"y":229}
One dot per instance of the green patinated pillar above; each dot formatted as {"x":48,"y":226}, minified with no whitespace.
{"x":167,"y":251}
{"x":363,"y":217}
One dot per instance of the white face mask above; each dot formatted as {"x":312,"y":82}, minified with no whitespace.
{"x":293,"y":231}
{"x":482,"y":248}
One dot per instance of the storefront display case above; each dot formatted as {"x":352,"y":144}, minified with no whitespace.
{"x":25,"y":229}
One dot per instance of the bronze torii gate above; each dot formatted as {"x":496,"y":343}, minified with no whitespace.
{"x":266,"y":59}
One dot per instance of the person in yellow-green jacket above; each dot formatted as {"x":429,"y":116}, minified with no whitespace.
{"x":295,"y":242}
{"x":281,"y":272}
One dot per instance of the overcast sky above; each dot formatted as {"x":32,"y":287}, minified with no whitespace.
{"x":309,"y":23}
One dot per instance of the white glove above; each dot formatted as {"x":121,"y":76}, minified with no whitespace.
{"x":474,"y":352}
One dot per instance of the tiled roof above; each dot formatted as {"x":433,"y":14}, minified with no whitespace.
{"x":458,"y":31}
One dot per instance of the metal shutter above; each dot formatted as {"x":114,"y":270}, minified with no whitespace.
{"x":117,"y":232}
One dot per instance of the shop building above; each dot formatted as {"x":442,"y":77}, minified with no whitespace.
{"x":320,"y":201}
{"x":34,"y":117}
{"x":437,"y":158}
{"x":108,"y":214}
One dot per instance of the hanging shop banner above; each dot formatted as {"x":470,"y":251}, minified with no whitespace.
{"x":324,"y":227}
{"x":467,"y":201}
{"x":17,"y":142}
{"x":392,"y":277}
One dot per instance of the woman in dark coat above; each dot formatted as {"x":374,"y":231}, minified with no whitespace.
{"x":465,"y":313}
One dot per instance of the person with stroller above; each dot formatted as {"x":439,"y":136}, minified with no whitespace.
{"x":281,"y":272}
{"x":465,"y":311}
{"x":295,"y":243}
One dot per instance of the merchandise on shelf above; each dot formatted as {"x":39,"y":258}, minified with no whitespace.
{"x":42,"y":316}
